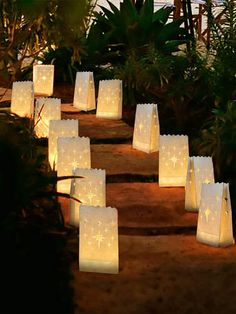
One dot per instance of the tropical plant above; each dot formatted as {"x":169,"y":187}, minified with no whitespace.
{"x":188,"y":99}
{"x":135,"y":44}
{"x":116,"y":33}
{"x":25,"y":181}
{"x":29,"y":27}
{"x":180,"y":84}
{"x":222,"y":47}
{"x":144,"y":78}
{"x":31,"y":224}
{"x":205,"y":78}
{"x":22,"y":36}
{"x":27,"y":186}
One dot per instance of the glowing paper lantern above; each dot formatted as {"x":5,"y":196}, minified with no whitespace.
{"x":90,"y":190}
{"x":43,"y":77}
{"x":200,"y":170}
{"x":98,"y":240}
{"x":22,"y":99}
{"x":173,"y":160}
{"x":215,"y":215}
{"x":59,"y":128}
{"x":46,"y":109}
{"x":146,"y":128}
{"x":72,"y":153}
{"x":109,"y":103}
{"x":84,"y":94}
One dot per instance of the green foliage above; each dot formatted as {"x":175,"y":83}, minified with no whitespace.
{"x":27,"y":187}
{"x":223,"y":34}
{"x":187,"y":97}
{"x":218,"y":139}
{"x":180,"y":84}
{"x":29,"y":27}
{"x":135,"y":44}
{"x":117,"y":32}
{"x":223,"y":49}
{"x":22,"y":35}
{"x":31,"y":225}
{"x":71,"y":20}
{"x":144,"y":78}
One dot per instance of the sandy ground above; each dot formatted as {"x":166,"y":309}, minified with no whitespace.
{"x":161,"y":274}
{"x":96,"y":128}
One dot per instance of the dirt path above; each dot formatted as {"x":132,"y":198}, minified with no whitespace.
{"x":163,"y":269}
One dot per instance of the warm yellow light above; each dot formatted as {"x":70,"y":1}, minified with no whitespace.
{"x":72,"y":153}
{"x":109,"y":104}
{"x":59,"y":128}
{"x":84,"y":94}
{"x":173,"y":160}
{"x":98,"y":240}
{"x":90,"y":190}
{"x":215,"y":215}
{"x":146,"y":128}
{"x":200,"y":170}
{"x":22,"y":99}
{"x":46,"y":109}
{"x":43,"y":77}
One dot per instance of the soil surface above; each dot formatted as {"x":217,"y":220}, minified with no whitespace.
{"x":161,"y":274}
{"x":162,"y":268}
{"x":97,"y":128}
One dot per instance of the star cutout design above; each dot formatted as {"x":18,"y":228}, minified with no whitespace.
{"x":207,"y":213}
{"x":141,"y":126}
{"x":206,"y":181}
{"x":99,"y":238}
{"x":174,"y":160}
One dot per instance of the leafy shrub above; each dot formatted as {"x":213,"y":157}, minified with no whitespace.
{"x":31,"y":225}
{"x":116,"y":33}
{"x":28,"y":28}
{"x":222,"y":47}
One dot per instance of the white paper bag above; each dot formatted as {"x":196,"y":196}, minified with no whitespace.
{"x":98,"y":239}
{"x":200,"y":170}
{"x":215,"y":225}
{"x":146,"y":128}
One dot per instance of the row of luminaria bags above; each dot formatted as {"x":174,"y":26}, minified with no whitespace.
{"x":69,"y":154}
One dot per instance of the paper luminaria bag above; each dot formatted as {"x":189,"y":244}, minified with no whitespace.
{"x":59,"y":128}
{"x":215,"y":225}
{"x":90,"y":190}
{"x":46,"y":109}
{"x":84,"y":93}
{"x":200,"y":170}
{"x":43,"y":77}
{"x":98,"y":239}
{"x":72,"y":153}
{"x":22,"y":99}
{"x":109,"y":103}
{"x":146,"y":128}
{"x":173,"y":160}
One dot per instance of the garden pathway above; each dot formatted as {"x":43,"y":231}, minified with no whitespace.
{"x":163,"y":269}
